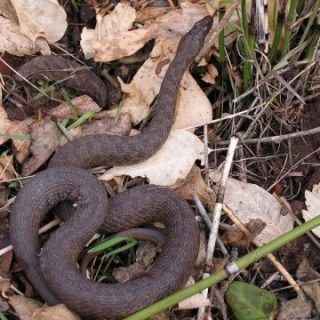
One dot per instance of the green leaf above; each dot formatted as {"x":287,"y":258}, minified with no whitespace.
{"x":249,"y":302}
{"x":110,"y":243}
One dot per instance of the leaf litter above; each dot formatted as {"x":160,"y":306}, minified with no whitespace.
{"x":116,"y":37}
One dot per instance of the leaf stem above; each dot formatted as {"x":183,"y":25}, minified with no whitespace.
{"x":217,"y":277}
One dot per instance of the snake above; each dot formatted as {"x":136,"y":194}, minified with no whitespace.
{"x":52,"y":269}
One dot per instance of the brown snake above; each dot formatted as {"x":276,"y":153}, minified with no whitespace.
{"x":56,"y":276}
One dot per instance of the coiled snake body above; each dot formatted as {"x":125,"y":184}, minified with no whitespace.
{"x":56,"y":277}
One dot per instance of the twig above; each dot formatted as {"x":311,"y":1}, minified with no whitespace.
{"x":275,"y":138}
{"x":204,"y":215}
{"x":270,"y":256}
{"x":216,"y":216}
{"x":42,"y":230}
{"x":292,"y":168}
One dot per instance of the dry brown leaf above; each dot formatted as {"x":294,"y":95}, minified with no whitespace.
{"x":210,"y":76}
{"x":195,"y":183}
{"x":82,"y":104}
{"x":109,"y":125}
{"x":194,"y":302}
{"x":193,"y":106}
{"x":5,"y":123}
{"x":120,"y":19}
{"x":172,"y":162}
{"x":306,"y":273}
{"x":44,"y":143}
{"x":8,"y":11}
{"x":235,"y":237}
{"x":164,"y":315}
{"x":249,"y":201}
{"x":23,"y":306}
{"x":50,"y":22}
{"x":4,"y":285}
{"x":145,"y":255}
{"x":7,"y":171}
{"x":16,"y":43}
{"x":296,"y":309}
{"x":121,"y":44}
{"x":313,"y":206}
{"x":22,"y":147}
{"x":58,"y":312}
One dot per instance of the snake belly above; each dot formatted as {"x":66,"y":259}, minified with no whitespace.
{"x":55,"y":275}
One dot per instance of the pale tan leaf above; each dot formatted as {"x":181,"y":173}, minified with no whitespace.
{"x":313,"y":206}
{"x":41,"y":18}
{"x":82,"y":105}
{"x":23,"y":306}
{"x":194,"y":302}
{"x":193,"y":106}
{"x":5,"y":124}
{"x":57,"y":312}
{"x":249,"y":201}
{"x":210,"y":76}
{"x":172,"y":162}
{"x":6,"y":168}
{"x":194,"y":183}
{"x":121,"y":44}
{"x":120,"y":19}
{"x":16,"y":43}
{"x":22,"y":147}
{"x":44,"y":143}
{"x":8,"y":11}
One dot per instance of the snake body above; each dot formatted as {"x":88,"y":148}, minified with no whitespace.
{"x":55,"y":276}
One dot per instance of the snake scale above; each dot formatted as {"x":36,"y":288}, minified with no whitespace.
{"x":52,"y":270}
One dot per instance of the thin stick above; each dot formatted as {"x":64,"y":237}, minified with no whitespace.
{"x":275,"y":138}
{"x":270,"y":256}
{"x":216,"y":216}
{"x":217,"y":277}
{"x":293,"y":167}
{"x":42,"y":230}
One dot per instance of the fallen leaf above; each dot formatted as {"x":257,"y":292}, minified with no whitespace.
{"x":8,"y":11}
{"x":172,"y":162}
{"x":44,"y":143}
{"x":23,"y":306}
{"x":109,"y":125}
{"x":58,"y":312}
{"x":194,"y":302}
{"x":16,"y":43}
{"x":305,"y":274}
{"x":50,"y":22}
{"x":4,"y":285}
{"x":249,"y":201}
{"x":145,"y":255}
{"x":76,"y":76}
{"x":210,"y":76}
{"x":5,"y":123}
{"x":22,"y":147}
{"x":164,"y":315}
{"x":7,"y":171}
{"x":313,"y":206}
{"x":235,"y":237}
{"x":82,"y":105}
{"x":120,"y":19}
{"x":194,"y":183}
{"x":193,"y":106}
{"x":296,"y":309}
{"x":249,"y":302}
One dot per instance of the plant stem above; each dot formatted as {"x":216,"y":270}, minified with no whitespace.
{"x":277,"y":37}
{"x":222,"y":275}
{"x":290,"y":19}
{"x":222,"y":49}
